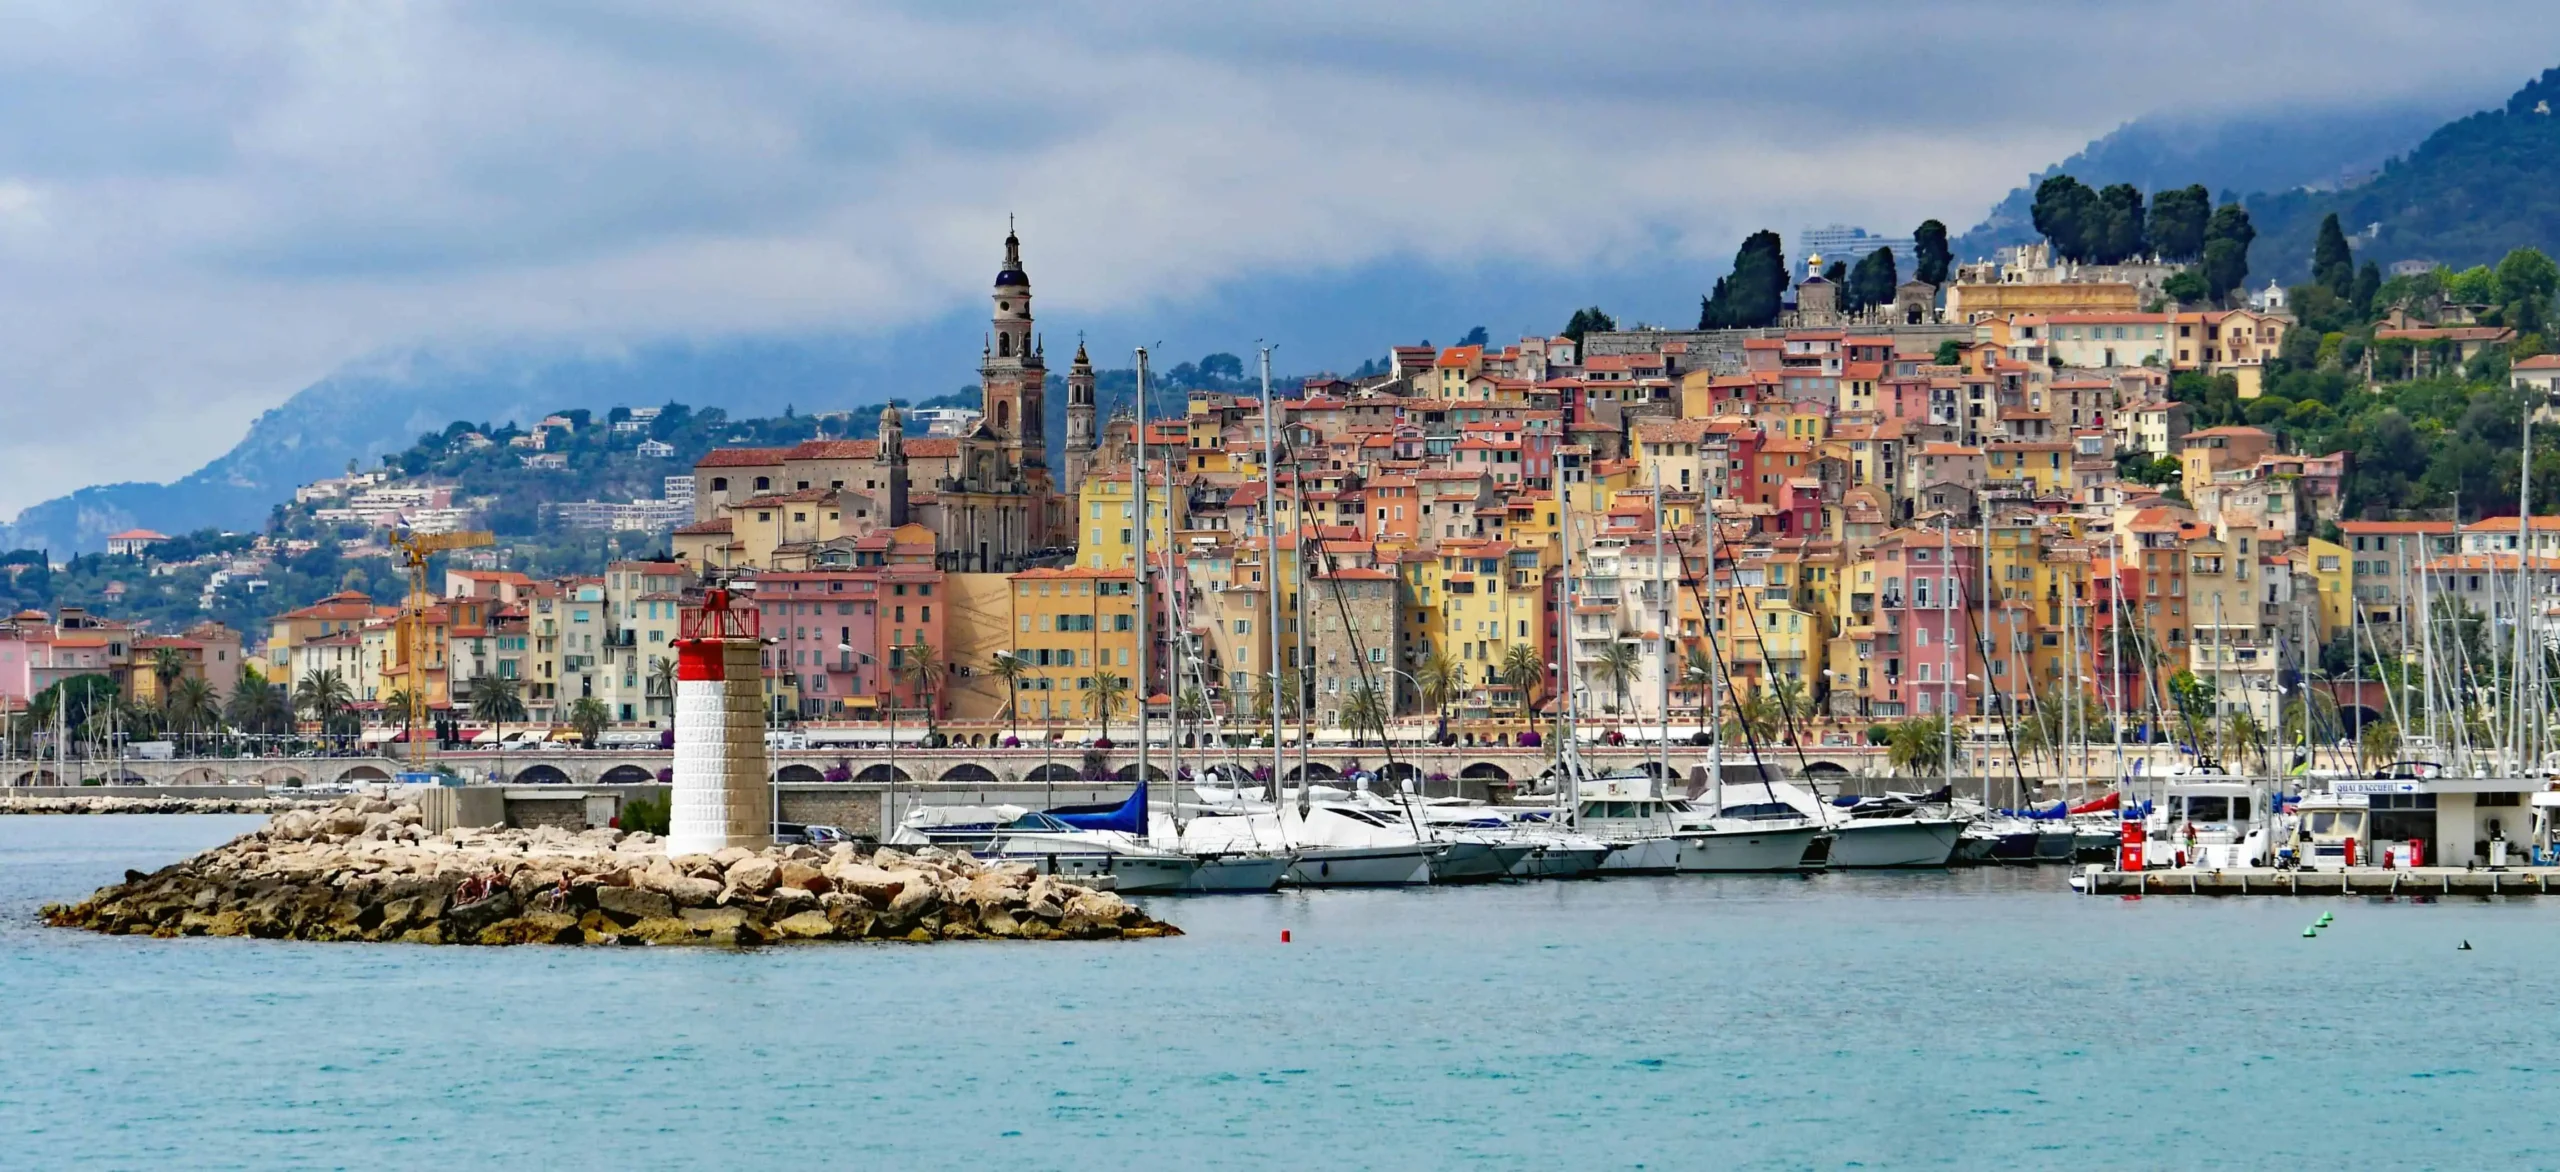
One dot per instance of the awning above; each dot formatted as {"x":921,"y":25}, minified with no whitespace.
{"x":377,"y":736}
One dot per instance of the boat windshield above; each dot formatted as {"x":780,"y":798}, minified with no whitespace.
{"x":1036,"y":820}
{"x":2213,"y":808}
{"x":2333,"y":823}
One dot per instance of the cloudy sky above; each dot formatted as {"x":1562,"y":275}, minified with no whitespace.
{"x":206,"y":206}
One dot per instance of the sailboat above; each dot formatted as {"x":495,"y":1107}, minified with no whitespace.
{"x":1075,"y":845}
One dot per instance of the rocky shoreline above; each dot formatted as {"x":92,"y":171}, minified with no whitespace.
{"x":367,"y":870}
{"x":108,"y":804}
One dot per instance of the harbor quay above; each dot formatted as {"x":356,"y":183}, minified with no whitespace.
{"x":2410,"y":882}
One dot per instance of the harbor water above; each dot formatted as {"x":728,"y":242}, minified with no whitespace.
{"x":1967,"y":1019}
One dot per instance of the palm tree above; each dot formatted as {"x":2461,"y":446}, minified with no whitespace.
{"x":193,"y":706}
{"x":1754,"y":716}
{"x":1524,"y":669}
{"x":167,"y":665}
{"x":1191,"y":705}
{"x":923,"y":670}
{"x":1618,"y":664}
{"x":2240,"y":735}
{"x":324,"y":697}
{"x":495,"y":700}
{"x":1102,"y":697}
{"x":1364,"y":709}
{"x":1290,"y":695}
{"x":1789,"y":692}
{"x":1010,"y":668}
{"x":1917,"y":744}
{"x":1441,"y":678}
{"x":2378,"y":745}
{"x":257,"y":707}
{"x":396,"y":704}
{"x":1697,"y":673}
{"x":662,"y":681}
{"x":589,"y":717}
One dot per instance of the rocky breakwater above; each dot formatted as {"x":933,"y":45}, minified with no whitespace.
{"x":112,"y":804}
{"x":367,"y":870}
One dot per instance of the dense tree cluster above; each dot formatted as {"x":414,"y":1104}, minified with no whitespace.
{"x":1754,"y":293}
{"x":2428,"y":432}
{"x":1586,"y":320}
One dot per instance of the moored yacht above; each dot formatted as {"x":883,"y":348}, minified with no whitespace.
{"x":1016,"y":835}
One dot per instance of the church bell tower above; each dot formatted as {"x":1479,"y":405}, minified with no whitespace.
{"x":1079,"y":453}
{"x":1012,"y":374}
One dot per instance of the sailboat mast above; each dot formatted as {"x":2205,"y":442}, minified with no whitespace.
{"x":1569,"y":777}
{"x":1138,"y":565}
{"x":1982,"y":560}
{"x":1271,"y":572}
{"x":1661,"y":642}
{"x":1946,"y":651}
{"x":2115,"y":656}
{"x":2524,"y":594}
{"x":1714,"y":716}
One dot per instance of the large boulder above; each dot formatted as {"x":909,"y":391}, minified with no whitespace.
{"x":808,"y":925}
{"x":1091,"y":915}
{"x":754,"y":875}
{"x":804,"y":875}
{"x":631,"y":903}
{"x":873,"y":883}
{"x":534,"y":928}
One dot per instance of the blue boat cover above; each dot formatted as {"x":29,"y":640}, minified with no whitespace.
{"x":1130,"y":817}
{"x":2060,"y":809}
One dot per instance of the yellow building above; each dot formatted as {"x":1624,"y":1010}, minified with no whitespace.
{"x":2328,"y":565}
{"x":1108,"y":524}
{"x":1072,"y":626}
{"x":2046,"y":466}
{"x":1987,"y":300}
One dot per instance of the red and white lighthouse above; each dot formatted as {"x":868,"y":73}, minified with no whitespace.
{"x":723,"y":795}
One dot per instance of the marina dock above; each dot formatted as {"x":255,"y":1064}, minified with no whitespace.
{"x":2403,"y":881}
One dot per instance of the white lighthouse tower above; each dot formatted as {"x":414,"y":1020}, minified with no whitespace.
{"x":723,"y":796}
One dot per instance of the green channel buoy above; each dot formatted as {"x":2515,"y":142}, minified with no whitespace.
{"x":2326,"y":919}
{"x":2312,"y":930}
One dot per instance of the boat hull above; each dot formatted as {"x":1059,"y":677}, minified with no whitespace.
{"x":1741,"y":852}
{"x":2055,"y":846}
{"x":1643,"y":856}
{"x":1143,"y":874}
{"x":1895,"y":843}
{"x":1364,"y":866}
{"x":1238,"y":874}
{"x":1560,"y":862}
{"x":1477,"y":862}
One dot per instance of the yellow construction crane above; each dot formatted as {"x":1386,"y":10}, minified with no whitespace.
{"x":409,"y":653}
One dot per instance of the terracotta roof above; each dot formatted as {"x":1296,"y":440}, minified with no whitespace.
{"x":741,"y":457}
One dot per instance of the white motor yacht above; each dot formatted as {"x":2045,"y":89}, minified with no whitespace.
{"x":1657,"y":834}
{"x":1016,"y":835}
{"x":1874,"y":834}
{"x":1335,"y":844}
{"x":2209,"y":821}
{"x":1537,"y":850}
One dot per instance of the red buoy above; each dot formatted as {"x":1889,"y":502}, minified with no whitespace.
{"x":1284,"y":935}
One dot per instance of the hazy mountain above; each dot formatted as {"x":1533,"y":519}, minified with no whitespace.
{"x":1330,"y":320}
{"x":2272,"y":150}
{"x":361,"y":413}
{"x":2474,"y":189}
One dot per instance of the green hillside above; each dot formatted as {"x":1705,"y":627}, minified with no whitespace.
{"x":2473,"y":190}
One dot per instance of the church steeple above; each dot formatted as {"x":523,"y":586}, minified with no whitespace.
{"x":893,"y":457}
{"x":1013,"y":376}
{"x":1080,"y":439}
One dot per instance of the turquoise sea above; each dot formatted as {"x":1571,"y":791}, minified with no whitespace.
{"x":1978,"y":1019}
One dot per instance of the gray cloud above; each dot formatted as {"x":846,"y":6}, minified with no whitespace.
{"x":202,"y":207}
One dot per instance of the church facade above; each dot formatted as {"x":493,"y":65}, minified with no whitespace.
{"x":987,"y":497}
